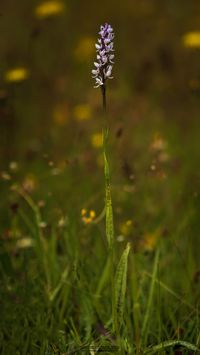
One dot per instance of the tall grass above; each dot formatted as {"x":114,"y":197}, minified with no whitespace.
{"x":65,"y":293}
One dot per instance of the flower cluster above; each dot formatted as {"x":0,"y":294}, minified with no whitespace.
{"x":105,"y":56}
{"x":87,"y":217}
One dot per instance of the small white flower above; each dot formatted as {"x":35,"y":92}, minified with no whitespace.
{"x":107,"y":40}
{"x":108,"y":72}
{"x":104,"y":59}
{"x":110,"y":29}
{"x":109,"y":47}
{"x":94,"y":71}
{"x":97,"y":46}
{"x":102,"y":53}
{"x":111,"y":57}
{"x":99,"y":82}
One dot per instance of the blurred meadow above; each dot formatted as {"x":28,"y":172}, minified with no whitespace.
{"x":54,"y":265}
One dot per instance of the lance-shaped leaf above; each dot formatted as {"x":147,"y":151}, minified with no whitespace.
{"x":120,"y":285}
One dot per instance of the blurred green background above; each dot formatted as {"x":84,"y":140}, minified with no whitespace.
{"x":51,"y":150}
{"x":51,"y":116}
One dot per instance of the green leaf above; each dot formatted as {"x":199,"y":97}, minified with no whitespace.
{"x":120,"y":285}
{"x":171,"y":343}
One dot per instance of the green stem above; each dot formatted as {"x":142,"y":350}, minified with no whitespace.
{"x":108,"y":209}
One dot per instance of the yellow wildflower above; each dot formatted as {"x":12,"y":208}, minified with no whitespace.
{"x":49,"y":8}
{"x":192,"y":39}
{"x":96,"y":140}
{"x":24,"y":243}
{"x":150,"y":240}
{"x":126,"y":227}
{"x":87,"y":217}
{"x":92,"y":214}
{"x":83,"y":212}
{"x":16,"y":74}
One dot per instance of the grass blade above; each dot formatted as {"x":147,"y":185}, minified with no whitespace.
{"x":171,"y":343}
{"x":150,"y":299}
{"x":120,"y":286}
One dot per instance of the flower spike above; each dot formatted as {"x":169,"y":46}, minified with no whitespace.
{"x":104,"y":62}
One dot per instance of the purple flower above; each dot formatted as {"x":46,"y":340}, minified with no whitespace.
{"x":104,"y":62}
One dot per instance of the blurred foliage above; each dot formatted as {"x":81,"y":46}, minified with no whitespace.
{"x":51,"y":116}
{"x":50,"y":132}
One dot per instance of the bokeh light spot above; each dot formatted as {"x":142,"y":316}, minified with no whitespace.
{"x":96,"y":140}
{"x":82,"y":112}
{"x":192,"y":39}
{"x":85,"y":49}
{"x":16,"y":74}
{"x":49,"y":8}
{"x":61,"y":114}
